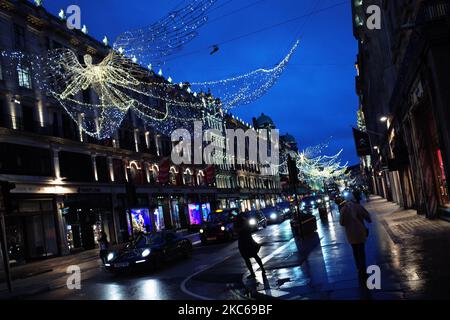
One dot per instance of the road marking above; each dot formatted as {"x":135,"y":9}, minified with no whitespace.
{"x":267,"y":258}
{"x":264,"y":260}
{"x":190,"y":293}
{"x":270,"y":256}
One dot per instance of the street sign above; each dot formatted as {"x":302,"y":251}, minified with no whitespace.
{"x":362,"y":143}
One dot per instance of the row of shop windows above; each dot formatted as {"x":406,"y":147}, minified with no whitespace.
{"x":31,"y":227}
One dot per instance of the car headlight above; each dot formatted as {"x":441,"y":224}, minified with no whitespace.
{"x":312,"y":202}
{"x":110,"y":256}
{"x":319,"y":201}
{"x":222,"y":228}
{"x":327,"y":198}
{"x":252,"y":222}
{"x":273,"y":216}
{"x":201,"y":230}
{"x":145,"y":253}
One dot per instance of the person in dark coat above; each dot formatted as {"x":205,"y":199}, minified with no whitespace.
{"x":353,"y":216}
{"x":248,"y":247}
{"x":104,"y":245}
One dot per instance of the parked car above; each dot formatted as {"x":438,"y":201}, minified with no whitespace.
{"x":149,"y":251}
{"x":274,"y":215}
{"x":256,"y":219}
{"x":219,"y":226}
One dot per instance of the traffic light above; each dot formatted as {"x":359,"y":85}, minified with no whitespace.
{"x":6,"y":188}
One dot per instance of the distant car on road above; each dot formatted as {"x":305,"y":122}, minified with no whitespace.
{"x":219,"y":226}
{"x":274,"y":215}
{"x":256,"y":219}
{"x":310,"y":203}
{"x":149,"y":251}
{"x":287,"y":207}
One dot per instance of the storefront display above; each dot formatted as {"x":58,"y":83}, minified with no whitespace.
{"x":31,"y":231}
{"x":85,"y":217}
{"x":141,"y":221}
{"x":158,"y":215}
{"x":195,"y":216}
{"x":175,"y":214}
{"x":206,"y":210}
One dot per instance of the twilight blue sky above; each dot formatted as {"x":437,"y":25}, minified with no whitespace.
{"x":315,"y":98}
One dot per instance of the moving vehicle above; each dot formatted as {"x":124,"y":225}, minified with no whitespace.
{"x":287,"y":207}
{"x":256,"y":219}
{"x":219,"y":226}
{"x":274,"y":215}
{"x":310,"y":203}
{"x":149,"y":251}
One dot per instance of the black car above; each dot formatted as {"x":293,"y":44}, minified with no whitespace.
{"x":149,"y":250}
{"x":219,"y":226}
{"x":287,"y":208}
{"x":256,"y":219}
{"x":274,"y":215}
{"x":308,"y":204}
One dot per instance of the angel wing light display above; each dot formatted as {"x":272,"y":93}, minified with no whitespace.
{"x":98,"y":94}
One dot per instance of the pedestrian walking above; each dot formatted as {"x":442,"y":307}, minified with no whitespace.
{"x":248,"y":247}
{"x":104,"y":245}
{"x":357,"y":195}
{"x":352,"y":219}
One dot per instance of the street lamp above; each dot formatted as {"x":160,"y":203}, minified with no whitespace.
{"x":384,"y":119}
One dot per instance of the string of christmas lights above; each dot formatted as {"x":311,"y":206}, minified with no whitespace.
{"x":119,"y":84}
{"x":152,"y":44}
{"x":315,"y":169}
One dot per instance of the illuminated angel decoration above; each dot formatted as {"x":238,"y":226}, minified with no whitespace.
{"x":119,"y":82}
{"x":116,"y":83}
{"x":103,"y":77}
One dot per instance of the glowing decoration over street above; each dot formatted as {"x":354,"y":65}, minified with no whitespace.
{"x":315,"y":169}
{"x":154,"y":43}
{"x":246,"y":88}
{"x":98,"y":94}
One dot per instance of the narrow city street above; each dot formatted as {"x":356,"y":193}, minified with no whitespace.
{"x":319,"y":268}
{"x":221,"y":152}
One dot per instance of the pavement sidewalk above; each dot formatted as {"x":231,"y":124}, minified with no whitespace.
{"x":46,"y":275}
{"x":412,"y":253}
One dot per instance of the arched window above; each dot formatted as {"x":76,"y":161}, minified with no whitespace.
{"x":154,"y":170}
{"x":187,"y":177}
{"x":200,"y":178}
{"x":173,"y":176}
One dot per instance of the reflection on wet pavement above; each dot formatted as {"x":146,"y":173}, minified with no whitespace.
{"x":411,"y":268}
